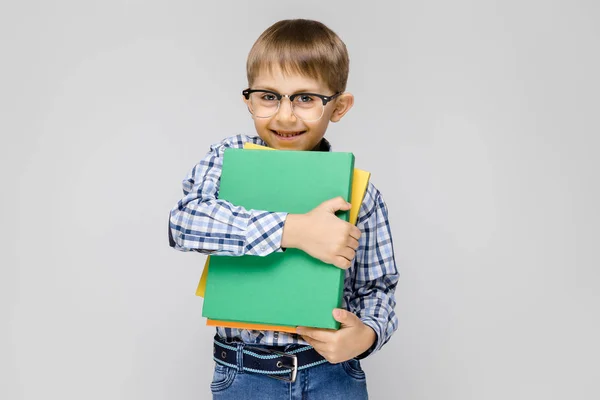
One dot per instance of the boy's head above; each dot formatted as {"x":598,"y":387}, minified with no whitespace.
{"x":297,"y":72}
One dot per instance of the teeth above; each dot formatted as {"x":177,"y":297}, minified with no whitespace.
{"x":288,"y":134}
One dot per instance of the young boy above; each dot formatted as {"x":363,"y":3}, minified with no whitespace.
{"x":297,"y":72}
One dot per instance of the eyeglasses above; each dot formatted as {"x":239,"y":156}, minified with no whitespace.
{"x":306,"y":106}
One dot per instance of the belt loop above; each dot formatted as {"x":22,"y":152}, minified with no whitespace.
{"x":240,"y":357}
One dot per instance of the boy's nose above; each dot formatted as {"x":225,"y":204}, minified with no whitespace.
{"x":285,"y":111}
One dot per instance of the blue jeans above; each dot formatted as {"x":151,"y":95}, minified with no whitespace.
{"x":344,"y":381}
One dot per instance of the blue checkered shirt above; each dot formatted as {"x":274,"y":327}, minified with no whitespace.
{"x":204,"y":223}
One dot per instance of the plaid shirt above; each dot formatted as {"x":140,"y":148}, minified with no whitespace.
{"x":203,"y":223}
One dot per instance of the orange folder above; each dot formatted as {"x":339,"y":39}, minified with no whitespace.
{"x":244,"y":325}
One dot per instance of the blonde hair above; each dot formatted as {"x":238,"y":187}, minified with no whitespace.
{"x":301,"y":46}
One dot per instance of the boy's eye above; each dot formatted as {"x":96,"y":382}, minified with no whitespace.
{"x":304,"y":98}
{"x":269,"y":97}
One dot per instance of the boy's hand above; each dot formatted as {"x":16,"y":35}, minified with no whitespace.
{"x":352,"y":339}
{"x":322,"y":234}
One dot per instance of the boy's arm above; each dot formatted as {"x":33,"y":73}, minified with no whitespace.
{"x":202,"y":222}
{"x":371,"y":319}
{"x":376,"y":276}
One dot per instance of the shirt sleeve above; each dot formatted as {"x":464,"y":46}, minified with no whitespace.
{"x":372,"y":295}
{"x":204,"y":223}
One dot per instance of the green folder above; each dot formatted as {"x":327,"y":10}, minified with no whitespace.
{"x":284,"y":288}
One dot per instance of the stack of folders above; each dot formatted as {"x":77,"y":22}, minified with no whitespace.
{"x":290,"y":288}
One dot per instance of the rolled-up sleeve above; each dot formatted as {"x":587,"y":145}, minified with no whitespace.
{"x":204,"y":223}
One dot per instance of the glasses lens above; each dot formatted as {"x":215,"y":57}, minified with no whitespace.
{"x":263,"y":104}
{"x":308,"y":107}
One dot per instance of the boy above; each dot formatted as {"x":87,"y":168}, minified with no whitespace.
{"x":297,"y":72}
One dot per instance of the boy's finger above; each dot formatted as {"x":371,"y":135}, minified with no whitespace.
{"x":318,"y":346}
{"x":320,"y":335}
{"x":342,"y":262}
{"x":335,"y":204}
{"x":313,"y":342}
{"x":348,"y":253}
{"x":355,"y":232}
{"x":352,"y":243}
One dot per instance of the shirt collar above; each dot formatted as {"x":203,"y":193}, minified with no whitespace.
{"x":324,"y":145}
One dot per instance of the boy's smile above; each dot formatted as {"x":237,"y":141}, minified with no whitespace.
{"x":285,"y":131}
{"x":288,"y":134}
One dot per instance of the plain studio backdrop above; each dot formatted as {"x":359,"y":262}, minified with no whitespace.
{"x":478,"y":120}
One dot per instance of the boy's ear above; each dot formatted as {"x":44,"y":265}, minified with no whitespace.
{"x":343,"y":104}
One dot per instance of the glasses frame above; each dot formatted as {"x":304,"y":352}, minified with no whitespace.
{"x":291,"y":97}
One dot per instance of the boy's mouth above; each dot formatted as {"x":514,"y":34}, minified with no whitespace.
{"x":287,"y":134}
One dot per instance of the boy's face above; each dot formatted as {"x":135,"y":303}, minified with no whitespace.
{"x":284,"y":131}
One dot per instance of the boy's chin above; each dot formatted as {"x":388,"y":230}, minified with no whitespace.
{"x":289,"y":146}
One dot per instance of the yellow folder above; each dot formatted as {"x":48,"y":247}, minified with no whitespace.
{"x":360,"y":180}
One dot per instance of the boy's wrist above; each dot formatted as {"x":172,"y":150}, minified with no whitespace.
{"x":291,"y":230}
{"x":370,"y":336}
{"x":370,"y":340}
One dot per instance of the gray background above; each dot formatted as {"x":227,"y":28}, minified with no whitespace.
{"x":478,"y":119}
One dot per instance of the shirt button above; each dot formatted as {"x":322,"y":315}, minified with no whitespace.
{"x":263,"y":247}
